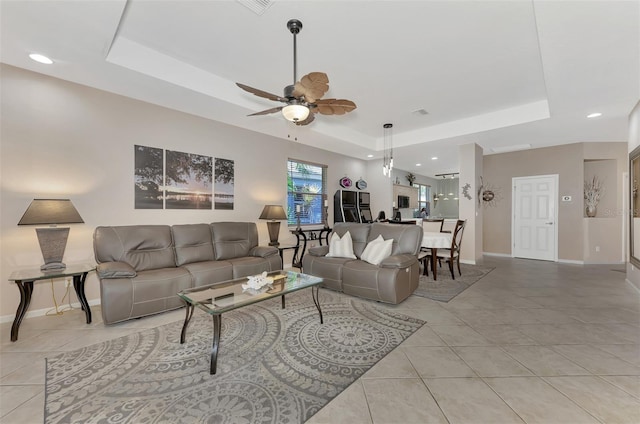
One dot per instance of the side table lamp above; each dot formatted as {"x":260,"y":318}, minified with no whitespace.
{"x":52,"y":240}
{"x":274,"y":213}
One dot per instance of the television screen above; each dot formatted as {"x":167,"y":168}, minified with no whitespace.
{"x":350,"y":215}
{"x":348,"y":197}
{"x":403,"y":202}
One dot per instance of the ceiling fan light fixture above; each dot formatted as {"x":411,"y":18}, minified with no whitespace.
{"x":295,"y":112}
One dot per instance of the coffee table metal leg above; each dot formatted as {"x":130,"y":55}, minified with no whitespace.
{"x":315,"y":293}
{"x":283,"y":303}
{"x":217,"y":328}
{"x":187,"y":318}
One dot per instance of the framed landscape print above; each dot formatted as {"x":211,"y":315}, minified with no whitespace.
{"x":224,"y":184}
{"x":188,"y":179}
{"x":148,"y":177}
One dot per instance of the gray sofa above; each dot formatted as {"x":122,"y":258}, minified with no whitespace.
{"x":141,"y":268}
{"x":392,"y":281}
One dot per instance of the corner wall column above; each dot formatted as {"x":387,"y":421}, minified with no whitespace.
{"x":470,"y":159}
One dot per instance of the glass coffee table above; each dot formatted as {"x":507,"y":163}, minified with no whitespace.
{"x":215,"y":299}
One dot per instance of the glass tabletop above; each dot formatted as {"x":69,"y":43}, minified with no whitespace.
{"x":221,"y":297}
{"x":34,"y":274}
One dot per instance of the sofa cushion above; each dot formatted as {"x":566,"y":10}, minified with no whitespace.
{"x":341,"y":247}
{"x":143,"y":247}
{"x":329,"y":269}
{"x":377,"y":250}
{"x":245,"y":266}
{"x":233,"y":239}
{"x":406,"y":238}
{"x":193,"y":243}
{"x":209,"y":272}
{"x":359,"y":235}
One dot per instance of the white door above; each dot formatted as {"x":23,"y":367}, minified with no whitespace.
{"x":535,"y":215}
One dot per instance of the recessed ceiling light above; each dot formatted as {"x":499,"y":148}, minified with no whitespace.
{"x":41,"y":58}
{"x":434,"y":158}
{"x":594,"y":115}
{"x":369,"y":156}
{"x":418,"y":164}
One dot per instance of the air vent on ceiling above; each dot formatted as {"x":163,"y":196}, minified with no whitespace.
{"x":420,"y":112}
{"x":256,"y":6}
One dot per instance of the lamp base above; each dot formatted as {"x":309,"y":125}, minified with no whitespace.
{"x":274,"y":231}
{"x":53,"y":266}
{"x":52,"y":244}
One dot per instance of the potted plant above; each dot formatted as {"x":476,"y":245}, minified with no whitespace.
{"x":411,"y":178}
{"x":593,"y":191}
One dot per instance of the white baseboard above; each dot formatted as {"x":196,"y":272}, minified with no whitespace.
{"x":467,"y":261}
{"x":43,"y":312}
{"x":501,"y":255}
{"x":570,"y":261}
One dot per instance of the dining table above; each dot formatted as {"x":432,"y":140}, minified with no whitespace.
{"x":435,"y":241}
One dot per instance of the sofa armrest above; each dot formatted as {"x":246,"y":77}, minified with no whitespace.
{"x":263,"y":251}
{"x":398,"y":261}
{"x":319,"y":251}
{"x":115,"y":270}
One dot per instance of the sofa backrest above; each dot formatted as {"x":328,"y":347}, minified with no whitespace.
{"x":141,"y":246}
{"x":233,"y":239}
{"x":359,"y":234}
{"x":407,"y":239}
{"x":193,"y":243}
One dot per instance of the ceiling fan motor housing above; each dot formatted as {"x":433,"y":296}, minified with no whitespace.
{"x":294,"y":26}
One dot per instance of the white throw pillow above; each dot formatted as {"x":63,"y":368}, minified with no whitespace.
{"x":341,"y":247}
{"x":377,"y":250}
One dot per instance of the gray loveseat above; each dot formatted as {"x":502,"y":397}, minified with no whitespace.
{"x":141,"y":268}
{"x":392,"y":281}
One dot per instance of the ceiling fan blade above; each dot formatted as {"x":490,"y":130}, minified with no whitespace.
{"x":334,"y":106}
{"x":261,"y":93}
{"x":268,"y":111}
{"x":307,"y":121}
{"x":312,"y":86}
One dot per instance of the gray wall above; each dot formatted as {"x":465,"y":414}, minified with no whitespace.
{"x":64,"y":140}
{"x":577,"y":237}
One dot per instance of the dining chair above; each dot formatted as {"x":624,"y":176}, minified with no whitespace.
{"x":432,"y":225}
{"x":453,"y":254}
{"x":424,"y":256}
{"x":448,"y":227}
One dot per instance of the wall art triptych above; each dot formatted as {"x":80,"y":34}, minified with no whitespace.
{"x":177,"y":180}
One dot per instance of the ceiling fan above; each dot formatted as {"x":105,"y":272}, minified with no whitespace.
{"x":303,"y":98}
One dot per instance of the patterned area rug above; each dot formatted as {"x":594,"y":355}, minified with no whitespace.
{"x":274,"y":365}
{"x":445,"y":288}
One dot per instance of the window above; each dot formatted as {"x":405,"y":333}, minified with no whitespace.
{"x":424,"y":193}
{"x":306,"y":192}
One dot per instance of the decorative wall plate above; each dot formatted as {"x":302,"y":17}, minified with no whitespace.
{"x":361,"y":184}
{"x":346,"y":182}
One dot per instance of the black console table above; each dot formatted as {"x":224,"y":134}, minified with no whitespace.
{"x":24,"y":279}
{"x":305,"y":235}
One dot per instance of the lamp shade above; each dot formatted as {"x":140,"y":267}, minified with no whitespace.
{"x":50,"y":211}
{"x":273,"y":212}
{"x":295,"y":113}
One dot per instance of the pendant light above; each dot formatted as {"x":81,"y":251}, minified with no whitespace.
{"x":387,"y":161}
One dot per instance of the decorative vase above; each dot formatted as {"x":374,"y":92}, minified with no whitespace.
{"x":591,"y":211}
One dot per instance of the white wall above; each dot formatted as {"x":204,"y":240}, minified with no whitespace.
{"x":64,"y":140}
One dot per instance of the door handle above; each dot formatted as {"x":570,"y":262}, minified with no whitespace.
{"x":549,"y":223}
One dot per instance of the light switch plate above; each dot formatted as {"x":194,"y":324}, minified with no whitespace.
{"x":566,"y":198}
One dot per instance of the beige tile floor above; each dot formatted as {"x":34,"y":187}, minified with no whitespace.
{"x":532,"y":342}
